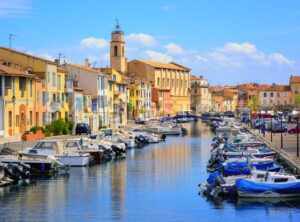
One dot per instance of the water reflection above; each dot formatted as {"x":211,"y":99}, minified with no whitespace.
{"x":157,"y":183}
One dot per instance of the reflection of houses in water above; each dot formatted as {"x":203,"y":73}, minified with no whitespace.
{"x":118,"y":188}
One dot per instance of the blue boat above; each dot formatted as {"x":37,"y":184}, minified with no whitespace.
{"x":268,"y":184}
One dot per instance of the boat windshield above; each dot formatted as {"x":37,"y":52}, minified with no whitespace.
{"x":44,"y":145}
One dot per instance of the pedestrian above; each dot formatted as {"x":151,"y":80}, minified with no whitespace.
{"x":263,"y":129}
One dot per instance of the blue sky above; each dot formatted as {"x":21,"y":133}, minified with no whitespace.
{"x":228,"y":42}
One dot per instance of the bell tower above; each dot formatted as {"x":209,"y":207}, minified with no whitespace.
{"x":118,"y":61}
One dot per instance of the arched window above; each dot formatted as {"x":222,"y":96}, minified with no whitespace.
{"x":115,"y":50}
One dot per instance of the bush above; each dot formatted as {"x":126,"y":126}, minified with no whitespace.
{"x":58,"y":127}
{"x":36,"y":128}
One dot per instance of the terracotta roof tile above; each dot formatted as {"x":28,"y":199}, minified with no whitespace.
{"x":163,"y":65}
{"x":6,"y":70}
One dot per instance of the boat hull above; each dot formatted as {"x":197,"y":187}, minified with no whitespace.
{"x":247,"y":188}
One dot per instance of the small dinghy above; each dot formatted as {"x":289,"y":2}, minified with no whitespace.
{"x":268,"y":184}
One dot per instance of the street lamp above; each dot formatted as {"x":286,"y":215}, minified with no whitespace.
{"x":281,"y":142}
{"x":297,"y":136}
{"x":271,"y":128}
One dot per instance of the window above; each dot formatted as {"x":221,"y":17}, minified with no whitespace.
{"x":285,"y":103}
{"x":63,"y":98}
{"x":8,"y":81}
{"x":30,"y":118}
{"x":278,"y":94}
{"x":43,"y":83}
{"x":17,"y":120}
{"x":163,"y":82}
{"x":265,"y":94}
{"x":271,"y":94}
{"x":22,"y":86}
{"x":58,"y":82}
{"x":37,"y":96}
{"x":195,"y":90}
{"x":48,"y":77}
{"x":44,"y":99}
{"x":123,"y":51}
{"x":37,"y":122}
{"x":110,"y":86}
{"x":296,"y":90}
{"x":115,"y":50}
{"x":53,"y":79}
{"x":9,"y":119}
{"x":158,"y":81}
{"x":114,"y":77}
{"x":31,"y":88}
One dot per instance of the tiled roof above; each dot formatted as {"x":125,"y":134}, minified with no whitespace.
{"x":295,"y":79}
{"x":163,"y":65}
{"x":84,"y":67}
{"x":274,"y":87}
{"x":29,"y":55}
{"x":6,"y":70}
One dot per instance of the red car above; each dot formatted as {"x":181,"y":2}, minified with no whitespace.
{"x":294,"y":130}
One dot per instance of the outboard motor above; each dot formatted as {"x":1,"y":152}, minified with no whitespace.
{"x":12,"y":172}
{"x":163,"y":137}
{"x":24,"y":170}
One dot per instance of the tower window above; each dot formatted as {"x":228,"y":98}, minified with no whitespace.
{"x":115,"y":50}
{"x":123,"y":53}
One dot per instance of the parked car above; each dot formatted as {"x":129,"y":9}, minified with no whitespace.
{"x":294,"y":130}
{"x":82,"y":128}
{"x":276,"y":128}
{"x":229,"y":114}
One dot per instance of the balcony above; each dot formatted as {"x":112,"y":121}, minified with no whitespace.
{"x":54,"y":106}
{"x":69,"y":86}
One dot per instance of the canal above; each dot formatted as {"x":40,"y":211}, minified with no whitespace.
{"x":156,"y":183}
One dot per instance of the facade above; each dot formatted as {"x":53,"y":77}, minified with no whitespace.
{"x":139,"y":99}
{"x":17,"y":99}
{"x":44,"y":69}
{"x":117,"y":98}
{"x":271,"y":96}
{"x":165,"y":76}
{"x":200,"y":95}
{"x":163,"y":101}
{"x":295,"y":90}
{"x":94,"y":82}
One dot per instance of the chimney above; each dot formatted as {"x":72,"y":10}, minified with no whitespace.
{"x":87,"y":63}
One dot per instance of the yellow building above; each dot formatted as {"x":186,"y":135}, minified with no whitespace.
{"x":171,"y":76}
{"x":17,"y":99}
{"x":45,"y":70}
{"x":295,"y":90}
{"x":117,"y":98}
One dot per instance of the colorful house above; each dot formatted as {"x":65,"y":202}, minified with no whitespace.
{"x":117,"y":98}
{"x":295,"y":90}
{"x":17,"y":99}
{"x":44,"y":69}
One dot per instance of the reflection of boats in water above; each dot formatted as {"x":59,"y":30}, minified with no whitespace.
{"x":291,"y":201}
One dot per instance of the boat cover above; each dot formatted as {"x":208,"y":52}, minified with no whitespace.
{"x":248,"y":186}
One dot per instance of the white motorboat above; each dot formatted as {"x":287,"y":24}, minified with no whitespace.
{"x":268,"y":184}
{"x":55,"y":148}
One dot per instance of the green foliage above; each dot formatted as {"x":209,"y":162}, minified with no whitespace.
{"x":36,"y":128}
{"x":59,"y":127}
{"x":297,"y":100}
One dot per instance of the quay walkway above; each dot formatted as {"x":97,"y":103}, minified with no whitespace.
{"x":288,"y":152}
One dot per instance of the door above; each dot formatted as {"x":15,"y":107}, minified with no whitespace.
{"x":22,"y":111}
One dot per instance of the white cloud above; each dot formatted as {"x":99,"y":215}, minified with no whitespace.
{"x":174,"y":49}
{"x":280,"y":59}
{"x":243,"y":48}
{"x":169,"y":7}
{"x":141,"y":39}
{"x":240,"y":56}
{"x":92,"y":42}
{"x":47,"y":56}
{"x":15,"y":8}
{"x":158,"y":56}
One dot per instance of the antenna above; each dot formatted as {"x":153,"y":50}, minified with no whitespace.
{"x":10,"y":36}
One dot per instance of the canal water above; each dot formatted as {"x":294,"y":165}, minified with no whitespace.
{"x":156,"y":183}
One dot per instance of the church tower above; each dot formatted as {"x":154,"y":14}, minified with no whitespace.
{"x":118,"y":61}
